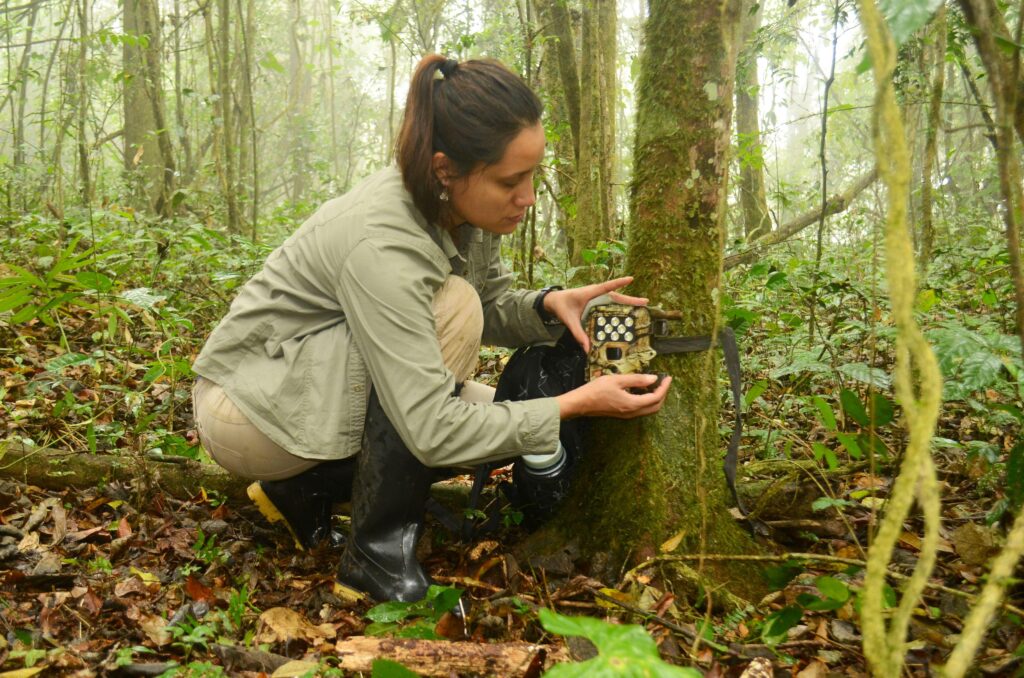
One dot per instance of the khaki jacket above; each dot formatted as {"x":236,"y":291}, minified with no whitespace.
{"x":346,"y":302}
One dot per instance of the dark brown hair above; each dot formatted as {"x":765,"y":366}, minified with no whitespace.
{"x":469,"y":111}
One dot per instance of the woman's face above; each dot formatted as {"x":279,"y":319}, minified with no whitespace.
{"x":495,"y":197}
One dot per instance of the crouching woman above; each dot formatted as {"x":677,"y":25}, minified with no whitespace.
{"x":341,"y":370}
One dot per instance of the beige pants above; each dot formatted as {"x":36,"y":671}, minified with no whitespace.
{"x":241,"y":448}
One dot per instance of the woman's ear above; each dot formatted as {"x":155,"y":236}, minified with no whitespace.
{"x":442,"y":168}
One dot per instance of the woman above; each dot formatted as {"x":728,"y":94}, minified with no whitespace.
{"x":341,"y":369}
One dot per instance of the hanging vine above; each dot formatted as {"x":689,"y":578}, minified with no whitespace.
{"x":917,"y":380}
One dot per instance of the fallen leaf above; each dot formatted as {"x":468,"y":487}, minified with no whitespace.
{"x":672,"y":543}
{"x":199,"y":591}
{"x":123,"y":528}
{"x":24,"y":673}
{"x":973,"y":543}
{"x":294,"y":668}
{"x":146,"y":577}
{"x":30,"y":542}
{"x":815,"y":669}
{"x":155,"y":629}
{"x":282,"y":624}
{"x":60,"y":525}
{"x":128,"y":586}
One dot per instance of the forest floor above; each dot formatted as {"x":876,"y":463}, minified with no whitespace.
{"x":107,"y":577}
{"x":105,"y":580}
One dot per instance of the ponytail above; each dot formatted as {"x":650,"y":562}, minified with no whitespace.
{"x":469,"y":111}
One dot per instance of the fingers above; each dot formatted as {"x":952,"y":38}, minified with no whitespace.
{"x":615,"y":284}
{"x":626,"y":299}
{"x":580,"y":336}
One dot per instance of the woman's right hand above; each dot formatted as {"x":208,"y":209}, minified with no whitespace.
{"x":609,"y":396}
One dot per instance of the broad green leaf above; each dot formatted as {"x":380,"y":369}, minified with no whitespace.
{"x":809,"y":601}
{"x":389,"y":612}
{"x":381,"y":628}
{"x":883,"y":410}
{"x":776,"y":279}
{"x":623,"y":649}
{"x":833,"y":588}
{"x":385,"y":668}
{"x":828,"y":417}
{"x":422,"y":629}
{"x":754,"y":392}
{"x":777,"y":624}
{"x":14,"y":300}
{"x":980,"y":371}
{"x":801,"y":361}
{"x":849,"y":442}
{"x":872,"y":376}
{"x":26,"y":313}
{"x":142,"y":297}
{"x":780,"y":575}
{"x":854,"y":408}
{"x":68,"y":360}
{"x":926,"y":299}
{"x":905,"y":17}
{"x":155,"y":371}
{"x":91,"y":280}
{"x":443,"y":598}
{"x":822,"y":503}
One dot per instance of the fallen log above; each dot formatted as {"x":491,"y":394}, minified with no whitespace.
{"x":443,"y":658}
{"x":178,"y":477}
{"x":59,"y":469}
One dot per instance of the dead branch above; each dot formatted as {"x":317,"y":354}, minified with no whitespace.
{"x":834,"y":205}
{"x":442,"y":658}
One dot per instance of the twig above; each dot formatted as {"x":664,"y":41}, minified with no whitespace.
{"x":782,"y":557}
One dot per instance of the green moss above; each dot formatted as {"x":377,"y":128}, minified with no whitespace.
{"x":644,"y":481}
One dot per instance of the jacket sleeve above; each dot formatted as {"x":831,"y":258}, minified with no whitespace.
{"x":509,"y":317}
{"x":386,"y":288}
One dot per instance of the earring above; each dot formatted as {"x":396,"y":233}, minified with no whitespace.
{"x":444,"y":195}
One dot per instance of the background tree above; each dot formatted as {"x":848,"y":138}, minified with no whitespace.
{"x":757,"y":220}
{"x":667,"y":469}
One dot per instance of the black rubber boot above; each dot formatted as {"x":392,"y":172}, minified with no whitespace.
{"x":304,"y":502}
{"x":389,"y":498}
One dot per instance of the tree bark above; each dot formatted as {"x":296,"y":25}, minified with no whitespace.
{"x":1003,"y":73}
{"x":594,"y":203}
{"x":561,"y":82}
{"x":22,"y":79}
{"x":143,"y":157}
{"x":931,"y":137}
{"x":753,"y":201}
{"x":643,"y":481}
{"x":81,"y":103}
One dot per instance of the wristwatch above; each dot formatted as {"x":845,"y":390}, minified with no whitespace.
{"x":538,"y":306}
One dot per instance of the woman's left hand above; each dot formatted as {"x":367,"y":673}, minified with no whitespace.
{"x":568,"y":305}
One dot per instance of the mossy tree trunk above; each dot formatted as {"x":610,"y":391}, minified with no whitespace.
{"x":595,"y":208}
{"x":646,"y":480}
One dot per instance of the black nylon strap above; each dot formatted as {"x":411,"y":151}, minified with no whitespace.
{"x":731,"y":354}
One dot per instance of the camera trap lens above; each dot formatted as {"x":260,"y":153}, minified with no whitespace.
{"x":613,"y":353}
